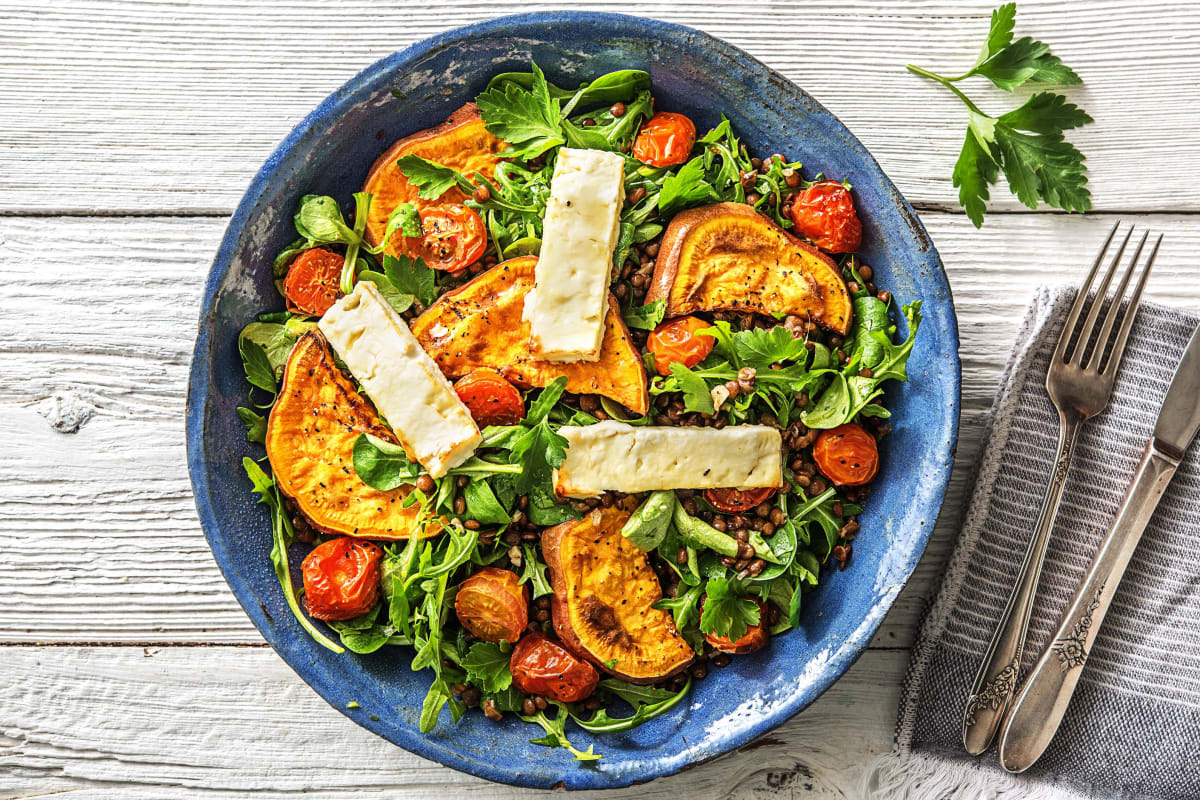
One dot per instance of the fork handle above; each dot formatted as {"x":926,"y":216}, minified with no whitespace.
{"x":996,"y":680}
{"x":1045,"y":695}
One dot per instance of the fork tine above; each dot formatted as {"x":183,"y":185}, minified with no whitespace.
{"x":1080,"y":298}
{"x":1085,"y":333}
{"x":1093,"y":362}
{"x":1114,"y":360}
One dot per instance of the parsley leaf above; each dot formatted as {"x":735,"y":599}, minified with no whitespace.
{"x":686,"y":188}
{"x":411,"y":277}
{"x":256,"y":424}
{"x":696,"y":395}
{"x":762,"y":347}
{"x":432,"y":180}
{"x":534,"y":569}
{"x":727,"y":613}
{"x":259,"y":371}
{"x":529,"y":120}
{"x":487,"y":667}
{"x":1027,"y":143}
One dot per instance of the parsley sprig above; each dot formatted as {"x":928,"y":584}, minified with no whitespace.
{"x":1027,"y":143}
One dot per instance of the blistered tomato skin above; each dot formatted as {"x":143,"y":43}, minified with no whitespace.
{"x":491,"y":399}
{"x":492,"y":605}
{"x":824,"y":213}
{"x":542,"y":666}
{"x":735,"y":501}
{"x":678,"y":341}
{"x":847,"y":455}
{"x":454,"y":238}
{"x":755,"y":637}
{"x":665,"y":140}
{"x":311,"y":284}
{"x":341,"y":578}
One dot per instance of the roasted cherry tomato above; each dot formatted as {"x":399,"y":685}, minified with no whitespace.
{"x":665,"y":140}
{"x":678,"y":340}
{"x":735,"y":501}
{"x":454,"y":238}
{"x":544,"y":667}
{"x":311,"y":285}
{"x":824,"y":212}
{"x":491,"y":399}
{"x":341,"y":578}
{"x":755,"y":637}
{"x":847,"y":455}
{"x":492,"y":605}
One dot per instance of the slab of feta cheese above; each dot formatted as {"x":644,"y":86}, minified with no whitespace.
{"x":613,"y":456}
{"x":566,"y":308}
{"x":431,"y":422}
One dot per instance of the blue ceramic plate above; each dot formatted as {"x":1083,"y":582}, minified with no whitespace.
{"x":330,"y":152}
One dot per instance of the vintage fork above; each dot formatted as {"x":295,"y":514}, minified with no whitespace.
{"x":1079,"y":389}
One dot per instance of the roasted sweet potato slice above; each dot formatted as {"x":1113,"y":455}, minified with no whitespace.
{"x":604,"y":592}
{"x":310,"y":442}
{"x":480,"y":324}
{"x":727,"y":256}
{"x":461,"y":142}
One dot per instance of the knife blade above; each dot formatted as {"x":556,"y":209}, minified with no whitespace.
{"x":1042,"y":701}
{"x":1179,"y":418}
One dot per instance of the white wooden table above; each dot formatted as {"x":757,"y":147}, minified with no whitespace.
{"x":128,"y":131}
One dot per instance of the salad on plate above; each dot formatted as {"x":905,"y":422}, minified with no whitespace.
{"x":572,"y":406}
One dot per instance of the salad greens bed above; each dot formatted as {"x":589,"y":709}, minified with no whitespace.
{"x":802,"y":381}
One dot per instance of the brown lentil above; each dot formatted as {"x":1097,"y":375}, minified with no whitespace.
{"x":636,"y":195}
{"x":490,"y":711}
{"x":617,"y":109}
{"x":482,"y":193}
{"x":460,"y":505}
{"x":720,"y":660}
{"x":425,"y":484}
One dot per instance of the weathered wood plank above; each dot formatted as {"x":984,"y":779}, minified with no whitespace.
{"x":113,"y":107}
{"x":135,"y":723}
{"x":101,"y":538}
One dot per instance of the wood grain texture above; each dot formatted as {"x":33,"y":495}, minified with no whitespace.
{"x":119,"y":107}
{"x":102,"y":542}
{"x":136,"y":724}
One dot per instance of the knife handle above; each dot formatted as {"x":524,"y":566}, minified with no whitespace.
{"x":1043,"y":698}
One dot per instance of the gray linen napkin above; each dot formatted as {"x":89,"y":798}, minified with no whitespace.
{"x":1133,"y":728}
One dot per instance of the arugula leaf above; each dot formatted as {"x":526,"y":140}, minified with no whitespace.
{"x":282,"y":535}
{"x":634,"y":694}
{"x":540,"y":408}
{"x":432,"y":180}
{"x":406,"y":219}
{"x":411,"y":277}
{"x":601,"y":722}
{"x":529,"y":120}
{"x":487,"y":667}
{"x":534,"y":572}
{"x":556,"y":735}
{"x":647,"y":317}
{"x":256,"y":424}
{"x":682,"y":607}
{"x":696,"y":395}
{"x":1027,"y":143}
{"x":685,"y":188}
{"x":726,"y":612}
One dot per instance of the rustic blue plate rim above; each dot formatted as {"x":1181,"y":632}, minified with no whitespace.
{"x":504,"y":755}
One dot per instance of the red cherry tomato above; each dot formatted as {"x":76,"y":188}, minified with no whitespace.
{"x":311,"y":285}
{"x":492,"y":605}
{"x":454,"y":238}
{"x":491,"y":399}
{"x":824,"y":213}
{"x":755,"y":637}
{"x":544,"y":667}
{"x":735,"y":501}
{"x":665,"y":140}
{"x":341,"y":578}
{"x":678,"y":340}
{"x":847,"y":455}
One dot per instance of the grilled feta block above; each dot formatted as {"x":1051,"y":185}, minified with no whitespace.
{"x":613,"y":456}
{"x":566,"y":308}
{"x":434,"y":427}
